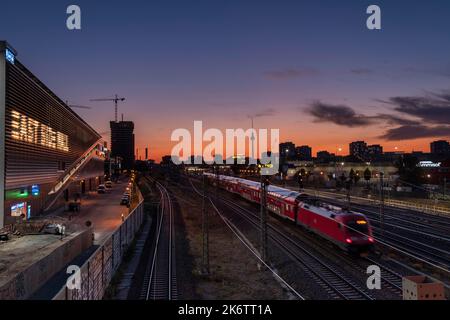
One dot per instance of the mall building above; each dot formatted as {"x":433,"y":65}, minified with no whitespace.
{"x":49,"y":156}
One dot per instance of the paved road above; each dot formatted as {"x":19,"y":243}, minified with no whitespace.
{"x":104,"y":211}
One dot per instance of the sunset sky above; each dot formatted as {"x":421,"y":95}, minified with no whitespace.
{"x":310,"y":68}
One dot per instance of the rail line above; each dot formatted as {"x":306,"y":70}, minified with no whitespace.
{"x":246,"y":243}
{"x":160,"y":281}
{"x":409,"y":239}
{"x":336,"y":284}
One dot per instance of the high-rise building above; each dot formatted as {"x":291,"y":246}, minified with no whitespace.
{"x":358,"y":149}
{"x":375,"y":150}
{"x":325,"y":157}
{"x":304,"y":153}
{"x":122,"y":142}
{"x":440,"y":147}
{"x":287,"y":150}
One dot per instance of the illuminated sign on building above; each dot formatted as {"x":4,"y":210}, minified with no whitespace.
{"x":16,"y":193}
{"x":35,"y":190}
{"x":429,"y":164}
{"x":9,"y":55}
{"x":26,"y":129}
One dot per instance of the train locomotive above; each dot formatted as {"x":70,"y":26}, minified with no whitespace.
{"x":348,"y":230}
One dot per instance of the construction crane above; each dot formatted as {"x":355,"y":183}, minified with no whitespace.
{"x":77,"y":106}
{"x":116,"y":100}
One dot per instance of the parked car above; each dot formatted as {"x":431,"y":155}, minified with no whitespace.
{"x":54,"y":228}
{"x":101,"y":189}
{"x":125,"y":201}
{"x":108,"y":184}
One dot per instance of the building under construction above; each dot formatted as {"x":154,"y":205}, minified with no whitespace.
{"x":122,"y":143}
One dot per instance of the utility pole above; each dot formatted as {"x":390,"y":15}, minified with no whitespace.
{"x":253,"y":141}
{"x":300,"y":182}
{"x":381,"y":203}
{"x":263,"y":218}
{"x":445,"y":187}
{"x":348,"y":187}
{"x":217,"y":181}
{"x":205,"y":231}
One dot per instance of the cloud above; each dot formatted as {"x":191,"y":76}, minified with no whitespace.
{"x":263,"y":113}
{"x":345,"y":116}
{"x":291,"y":73}
{"x":442,"y":71}
{"x":409,"y":132}
{"x":414,"y":117}
{"x":393,"y":120}
{"x":338,"y":114}
{"x":431,"y":109}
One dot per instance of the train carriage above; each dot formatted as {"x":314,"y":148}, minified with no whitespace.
{"x":349,"y":230}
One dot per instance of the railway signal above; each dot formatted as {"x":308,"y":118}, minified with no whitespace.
{"x":381,"y":202}
{"x":300,"y":181}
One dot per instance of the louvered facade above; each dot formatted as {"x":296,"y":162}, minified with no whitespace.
{"x":49,"y":154}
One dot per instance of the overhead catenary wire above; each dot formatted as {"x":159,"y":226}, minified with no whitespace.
{"x":230,"y":226}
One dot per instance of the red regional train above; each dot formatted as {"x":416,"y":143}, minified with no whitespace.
{"x":348,"y":230}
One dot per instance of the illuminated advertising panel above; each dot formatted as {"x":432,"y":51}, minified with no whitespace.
{"x":29,"y":130}
{"x":19,"y":209}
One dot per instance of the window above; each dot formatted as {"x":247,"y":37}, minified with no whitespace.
{"x":355,"y":227}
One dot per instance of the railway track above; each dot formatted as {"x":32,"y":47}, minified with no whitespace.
{"x":412,"y":245}
{"x":336,"y":284}
{"x":392,"y":279}
{"x":160,"y":281}
{"x":410,"y":238}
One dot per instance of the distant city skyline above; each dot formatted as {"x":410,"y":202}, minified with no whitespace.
{"x":310,"y":68}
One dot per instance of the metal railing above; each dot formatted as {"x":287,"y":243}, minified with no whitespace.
{"x":69,"y":173}
{"x":427,"y":208}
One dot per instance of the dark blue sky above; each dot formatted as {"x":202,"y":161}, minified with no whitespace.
{"x":219,"y":61}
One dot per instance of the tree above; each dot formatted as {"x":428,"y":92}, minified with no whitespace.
{"x":408,"y":170}
{"x":367,"y":176}
{"x":351,"y":175}
{"x":342,"y":178}
{"x":356,"y":178}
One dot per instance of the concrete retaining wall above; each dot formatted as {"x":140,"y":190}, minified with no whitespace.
{"x":24,"y":284}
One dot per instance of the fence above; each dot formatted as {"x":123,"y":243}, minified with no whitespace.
{"x":96,"y":273}
{"x":427,"y":208}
